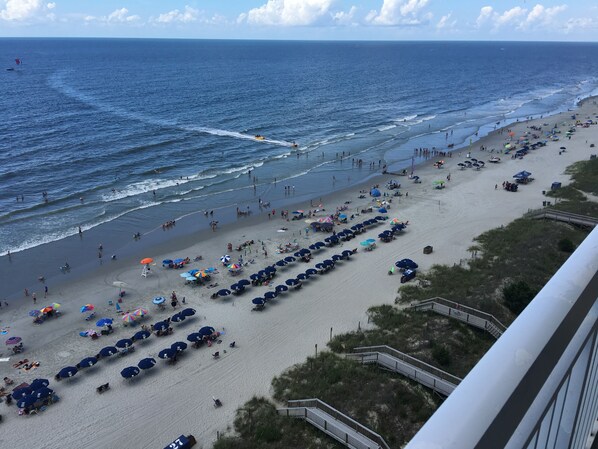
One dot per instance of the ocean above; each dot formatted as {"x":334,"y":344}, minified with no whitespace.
{"x":118,"y":136}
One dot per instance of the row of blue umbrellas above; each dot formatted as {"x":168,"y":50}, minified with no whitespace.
{"x":37,"y":390}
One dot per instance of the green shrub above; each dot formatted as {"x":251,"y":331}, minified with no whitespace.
{"x":566,"y":245}
{"x":517,"y":296}
{"x":442,"y":355}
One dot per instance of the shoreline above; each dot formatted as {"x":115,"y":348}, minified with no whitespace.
{"x":81,"y":253}
{"x":290,"y":327}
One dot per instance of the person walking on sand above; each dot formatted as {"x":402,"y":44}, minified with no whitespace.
{"x":45,"y":291}
{"x":34,"y":296}
{"x":26,"y":292}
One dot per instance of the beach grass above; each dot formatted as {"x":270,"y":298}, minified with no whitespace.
{"x":525,"y":250}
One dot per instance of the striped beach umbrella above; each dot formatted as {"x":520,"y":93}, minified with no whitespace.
{"x":128,"y":318}
{"x":140,"y":311}
{"x":87,"y":308}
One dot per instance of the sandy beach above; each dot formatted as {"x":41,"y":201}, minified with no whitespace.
{"x":157,"y":406}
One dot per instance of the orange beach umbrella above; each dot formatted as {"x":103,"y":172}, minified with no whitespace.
{"x":146,"y":261}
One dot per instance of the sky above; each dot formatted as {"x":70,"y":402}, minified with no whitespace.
{"x":507,"y":20}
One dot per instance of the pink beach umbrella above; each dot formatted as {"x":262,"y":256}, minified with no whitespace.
{"x":140,"y":312}
{"x":128,"y":318}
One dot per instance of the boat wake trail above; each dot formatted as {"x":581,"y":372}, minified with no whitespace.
{"x":56,"y":81}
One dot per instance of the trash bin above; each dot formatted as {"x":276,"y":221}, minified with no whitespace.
{"x":428,"y":249}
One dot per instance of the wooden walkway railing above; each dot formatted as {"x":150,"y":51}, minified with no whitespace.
{"x":334,"y":423}
{"x":463,"y":313}
{"x":566,"y":217}
{"x":423,"y":373}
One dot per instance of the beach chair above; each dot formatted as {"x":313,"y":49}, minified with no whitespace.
{"x":103,"y":388}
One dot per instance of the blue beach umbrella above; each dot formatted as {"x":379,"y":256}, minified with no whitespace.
{"x":336,"y":257}
{"x":206,"y":330}
{"x":68,"y":371}
{"x":27,"y":401}
{"x":21,"y":392}
{"x":104,"y":322}
{"x":311,"y":271}
{"x":177,"y":261}
{"x":87,"y":362}
{"x":244,"y":282}
{"x":36,"y":384}
{"x":270,"y":269}
{"x":347,"y":253}
{"x":129,"y":372}
{"x":258,"y":301}
{"x":302,"y":276}
{"x":194,"y":337}
{"x":43,"y":392}
{"x":146,"y":363}
{"x":161,"y":326}
{"x":187,"y":312}
{"x":35,"y":313}
{"x":179,"y":346}
{"x":223,"y":292}
{"x":280,"y":263}
{"x":270,"y":295}
{"x":281,"y":288}
{"x":124,"y":343}
{"x":177,"y":318}
{"x":375,"y":192}
{"x":291,"y":282}
{"x":167,"y":353}
{"x":159,"y":300}
{"x":141,"y":335}
{"x":108,"y":351}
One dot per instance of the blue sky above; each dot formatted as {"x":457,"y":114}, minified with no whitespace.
{"x":565,"y":20}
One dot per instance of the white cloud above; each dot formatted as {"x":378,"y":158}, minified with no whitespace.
{"x":121,"y":16}
{"x":485,"y":14}
{"x":580,"y":24}
{"x":520,"y":18}
{"x":540,"y":15}
{"x":399,"y":12}
{"x":345,"y":18}
{"x":51,"y":5}
{"x":287,"y":12}
{"x":20,"y":9}
{"x":188,"y":15}
{"x":445,"y":22}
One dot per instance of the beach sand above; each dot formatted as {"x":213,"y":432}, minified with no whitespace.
{"x":159,"y":405}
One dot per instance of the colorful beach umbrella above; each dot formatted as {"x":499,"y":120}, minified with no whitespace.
{"x":47,"y":309}
{"x":140,"y":311}
{"x":234,"y":267}
{"x":55,"y":305}
{"x":87,"y":308}
{"x":146,"y":261}
{"x":225,"y":259}
{"x":128,"y":318}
